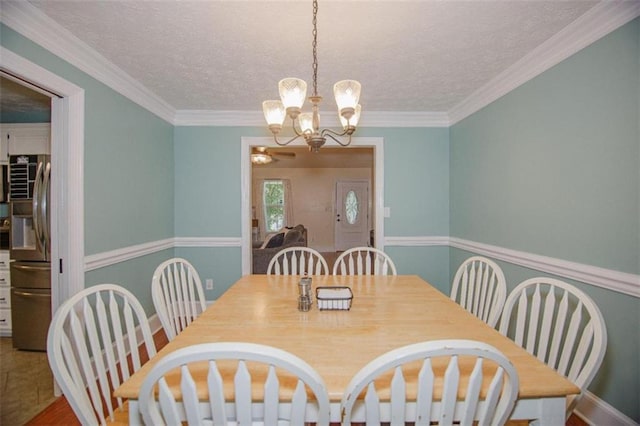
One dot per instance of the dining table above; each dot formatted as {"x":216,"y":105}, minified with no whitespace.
{"x":385,"y":313}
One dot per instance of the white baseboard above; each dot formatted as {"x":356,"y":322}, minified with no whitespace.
{"x":596,"y":412}
{"x":154,"y":324}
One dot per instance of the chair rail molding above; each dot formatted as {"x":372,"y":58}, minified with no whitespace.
{"x":112,"y":257}
{"x":620,"y":282}
{"x":610,"y":279}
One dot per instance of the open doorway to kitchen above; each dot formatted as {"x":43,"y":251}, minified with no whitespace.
{"x":67,"y":162}
{"x":372,"y":146}
{"x":67,"y":223}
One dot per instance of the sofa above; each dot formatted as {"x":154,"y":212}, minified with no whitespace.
{"x":274,"y":242}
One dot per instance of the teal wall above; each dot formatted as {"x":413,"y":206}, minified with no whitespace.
{"x":553,"y":168}
{"x":128,"y":171}
{"x":207,"y":199}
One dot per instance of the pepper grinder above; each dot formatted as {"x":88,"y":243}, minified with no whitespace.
{"x":304,"y":297}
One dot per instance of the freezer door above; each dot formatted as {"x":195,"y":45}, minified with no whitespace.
{"x":30,"y":274}
{"x":30,"y":318}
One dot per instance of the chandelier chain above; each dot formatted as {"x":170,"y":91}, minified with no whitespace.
{"x":315,"y":48}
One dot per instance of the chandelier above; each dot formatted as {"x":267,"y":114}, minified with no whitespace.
{"x":293,"y":92}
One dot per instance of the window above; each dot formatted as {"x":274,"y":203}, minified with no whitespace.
{"x":351,"y":206}
{"x":274,"y":204}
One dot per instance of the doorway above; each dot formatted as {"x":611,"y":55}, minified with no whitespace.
{"x":67,"y":162}
{"x":377,"y":197}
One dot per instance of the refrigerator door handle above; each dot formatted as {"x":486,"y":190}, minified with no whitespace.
{"x":36,"y":205}
{"x":28,"y":268}
{"x":44,"y":207}
{"x":30,"y":294}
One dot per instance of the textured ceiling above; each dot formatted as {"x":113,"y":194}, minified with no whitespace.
{"x":229,"y":55}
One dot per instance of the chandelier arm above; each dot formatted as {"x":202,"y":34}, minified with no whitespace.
{"x":330,"y":132}
{"x":327,"y":132}
{"x":275,"y":138}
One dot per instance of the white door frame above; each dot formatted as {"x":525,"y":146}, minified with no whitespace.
{"x":67,"y":163}
{"x":246,"y":143}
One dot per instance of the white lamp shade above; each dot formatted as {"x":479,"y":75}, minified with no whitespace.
{"x":306,"y":122}
{"x":347,"y":93}
{"x":274,"y":112}
{"x":353,"y":121}
{"x":293,"y":92}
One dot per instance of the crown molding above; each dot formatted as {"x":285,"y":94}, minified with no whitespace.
{"x":192,"y":117}
{"x":593,"y":25}
{"x":256,"y":118}
{"x":39,"y":28}
{"x":404,"y":119}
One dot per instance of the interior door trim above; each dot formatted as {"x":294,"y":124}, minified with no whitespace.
{"x":377,"y":143}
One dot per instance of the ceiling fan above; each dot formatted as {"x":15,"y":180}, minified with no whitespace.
{"x":262,"y":155}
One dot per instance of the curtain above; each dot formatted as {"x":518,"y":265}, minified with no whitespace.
{"x":288,"y":203}
{"x":259,"y":207}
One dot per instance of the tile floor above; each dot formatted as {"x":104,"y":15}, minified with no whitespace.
{"x":26,"y":384}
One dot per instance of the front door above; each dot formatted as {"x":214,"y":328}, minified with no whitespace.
{"x":352,"y":214}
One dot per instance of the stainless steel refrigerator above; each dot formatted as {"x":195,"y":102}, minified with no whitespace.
{"x":30,"y":250}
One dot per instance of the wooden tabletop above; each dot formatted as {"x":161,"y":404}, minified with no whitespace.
{"x":387,"y":312}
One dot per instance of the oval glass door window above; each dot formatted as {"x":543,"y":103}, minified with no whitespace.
{"x":351,"y":207}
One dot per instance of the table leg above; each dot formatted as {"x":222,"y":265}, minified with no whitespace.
{"x":135,"y":419}
{"x":542,"y":411}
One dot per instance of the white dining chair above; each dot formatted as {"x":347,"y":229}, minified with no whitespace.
{"x":364,"y":261}
{"x":377,"y":393}
{"x":298,"y":261}
{"x":97,"y":339}
{"x":480,"y":287}
{"x":559,"y":324}
{"x":176,"y":290}
{"x":198,"y":376}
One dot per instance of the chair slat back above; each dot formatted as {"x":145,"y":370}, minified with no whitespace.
{"x":490,"y":391}
{"x":480,"y":287}
{"x":178,"y":296}
{"x":242,"y":408}
{"x":560,"y":325}
{"x":93,"y":346}
{"x":298,"y":261}
{"x":364,"y":261}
